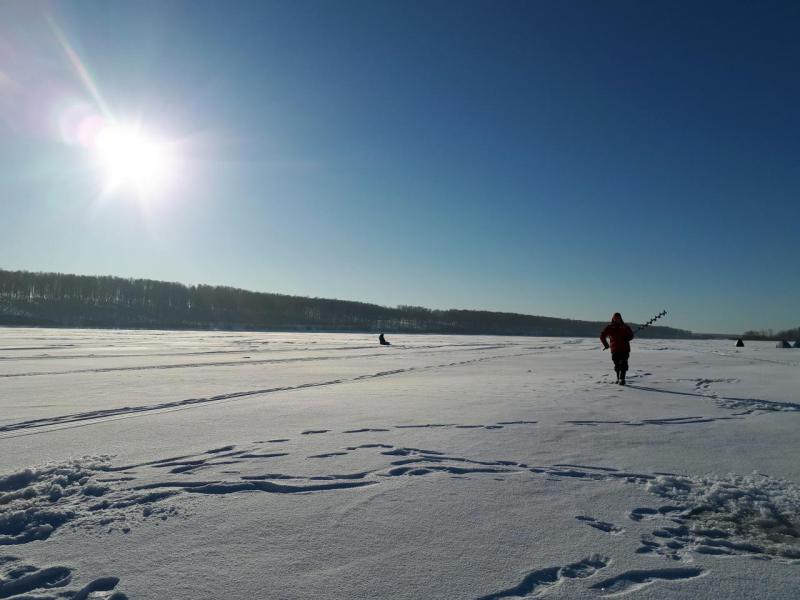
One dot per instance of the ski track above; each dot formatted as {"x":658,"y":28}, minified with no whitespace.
{"x":751,"y":405}
{"x":659,"y":422}
{"x":442,"y":347}
{"x":105,"y":414}
{"x":229,"y":363}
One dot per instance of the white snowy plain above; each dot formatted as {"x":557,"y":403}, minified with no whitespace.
{"x":219,"y":465}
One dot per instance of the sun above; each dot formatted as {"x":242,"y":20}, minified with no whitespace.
{"x":131,"y":158}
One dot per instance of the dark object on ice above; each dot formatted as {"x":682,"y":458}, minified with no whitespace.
{"x":783,"y":344}
{"x":797,"y":344}
{"x":739,"y":343}
{"x":620,"y":336}
{"x":383,"y":341}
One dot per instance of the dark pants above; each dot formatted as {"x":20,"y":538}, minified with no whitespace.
{"x":620,"y":362}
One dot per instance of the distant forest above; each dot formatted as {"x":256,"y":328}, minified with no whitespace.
{"x":769,"y":334}
{"x":59,"y":300}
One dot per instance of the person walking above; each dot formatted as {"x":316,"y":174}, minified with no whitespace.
{"x":620,"y":336}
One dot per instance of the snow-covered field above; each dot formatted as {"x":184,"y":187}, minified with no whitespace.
{"x":197,"y":465}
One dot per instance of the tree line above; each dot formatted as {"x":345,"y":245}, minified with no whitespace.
{"x":64,"y":300}
{"x":772,"y":335}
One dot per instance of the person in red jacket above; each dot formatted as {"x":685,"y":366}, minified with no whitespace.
{"x":620,"y":335}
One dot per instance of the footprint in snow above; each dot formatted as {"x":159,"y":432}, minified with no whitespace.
{"x":601,"y":525}
{"x":538,"y":582}
{"x":631,"y":581}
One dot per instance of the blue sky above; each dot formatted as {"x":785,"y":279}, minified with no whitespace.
{"x":555,"y":158}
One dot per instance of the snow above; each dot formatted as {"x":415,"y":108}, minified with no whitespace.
{"x":150,"y":465}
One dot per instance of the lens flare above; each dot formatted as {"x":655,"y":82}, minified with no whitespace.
{"x":128,"y":157}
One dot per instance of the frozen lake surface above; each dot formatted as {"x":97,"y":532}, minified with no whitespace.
{"x":219,"y":465}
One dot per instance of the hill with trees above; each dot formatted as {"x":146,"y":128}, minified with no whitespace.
{"x":62,"y":300}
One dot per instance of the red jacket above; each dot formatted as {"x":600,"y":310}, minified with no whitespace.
{"x":619,"y":334}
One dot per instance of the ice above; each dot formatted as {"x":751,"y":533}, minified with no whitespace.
{"x":148,"y":465}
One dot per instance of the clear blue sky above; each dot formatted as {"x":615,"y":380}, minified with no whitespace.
{"x":554,"y":158}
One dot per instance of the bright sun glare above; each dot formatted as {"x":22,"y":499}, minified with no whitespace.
{"x":131,"y":158}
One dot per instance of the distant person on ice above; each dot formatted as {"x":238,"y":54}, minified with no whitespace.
{"x":620,"y":335}
{"x":383,"y":341}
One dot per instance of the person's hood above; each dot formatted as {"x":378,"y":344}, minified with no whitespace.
{"x":617,"y":318}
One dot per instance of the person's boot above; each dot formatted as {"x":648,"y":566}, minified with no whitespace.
{"x":617,"y":372}
{"x":622,"y":378}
